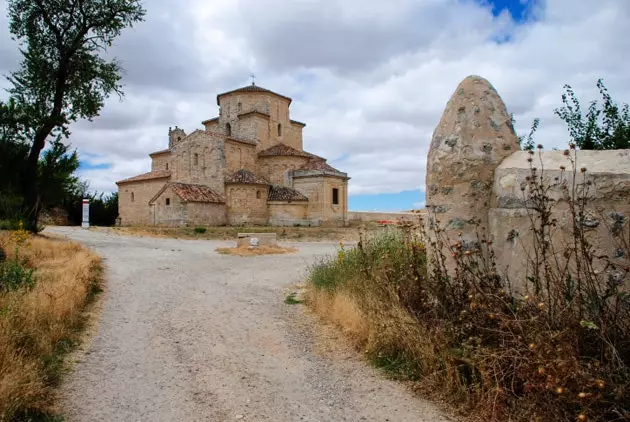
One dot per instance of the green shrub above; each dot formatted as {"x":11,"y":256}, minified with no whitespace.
{"x":14,"y":274}
{"x":200,"y":230}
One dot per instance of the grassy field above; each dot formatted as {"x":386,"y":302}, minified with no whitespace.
{"x":46,"y":286}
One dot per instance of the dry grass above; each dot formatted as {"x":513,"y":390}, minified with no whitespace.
{"x":261,"y":250}
{"x":346,"y":234}
{"x":39,"y":325}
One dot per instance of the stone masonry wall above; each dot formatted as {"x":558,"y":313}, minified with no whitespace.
{"x":607,"y":206}
{"x":200,"y":159}
{"x":239,"y":156}
{"x":247,"y":204}
{"x":137,"y":211}
{"x":478,"y":183}
{"x":206,"y":214}
{"x":318,"y":190}
{"x":275,"y":168}
{"x":282,"y":213}
{"x":161,"y":162}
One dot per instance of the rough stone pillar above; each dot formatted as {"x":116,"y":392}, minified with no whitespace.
{"x":474,"y":135}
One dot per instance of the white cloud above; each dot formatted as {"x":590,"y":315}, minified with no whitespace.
{"x":370,"y":81}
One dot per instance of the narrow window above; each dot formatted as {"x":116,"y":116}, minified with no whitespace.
{"x":228,"y":130}
{"x":133,"y":197}
{"x":166,"y":166}
{"x":335,"y":198}
{"x":279,"y":129}
{"x":168,"y":201}
{"x":196,"y":159}
{"x":240,"y":107}
{"x":257,"y":194}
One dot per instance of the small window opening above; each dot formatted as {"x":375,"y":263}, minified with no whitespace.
{"x":335,"y":196}
{"x":133,"y":197}
{"x":179,"y":138}
{"x":196,"y":159}
{"x":257,"y":194}
{"x":279,"y":129}
{"x":168,"y":201}
{"x":240,"y":107}
{"x":166,"y":166}
{"x":228,"y":129}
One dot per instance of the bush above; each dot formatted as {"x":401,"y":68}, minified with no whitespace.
{"x":199,"y":230}
{"x":15,"y":275}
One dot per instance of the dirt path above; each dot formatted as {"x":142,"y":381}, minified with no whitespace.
{"x":187,"y":334}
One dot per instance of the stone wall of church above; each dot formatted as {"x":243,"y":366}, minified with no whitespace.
{"x":203,"y":214}
{"x":275,"y":168}
{"x":319,"y":191}
{"x":246,"y":204}
{"x":161,"y":162}
{"x":133,"y":201}
{"x":173,"y":214}
{"x":267,"y":131}
{"x":284,"y":213}
{"x":239,"y":156}
{"x":200,"y":159}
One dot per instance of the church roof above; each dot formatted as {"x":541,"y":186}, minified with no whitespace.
{"x":285,"y":150}
{"x":246,"y":177}
{"x":283,"y":193}
{"x":191,"y":193}
{"x":252,"y":88}
{"x":160,"y":174}
{"x":164,"y":151}
{"x":318,"y":164}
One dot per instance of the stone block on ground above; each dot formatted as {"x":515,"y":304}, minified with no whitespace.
{"x":245,"y":240}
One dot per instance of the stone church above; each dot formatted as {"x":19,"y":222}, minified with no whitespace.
{"x":247,"y":166}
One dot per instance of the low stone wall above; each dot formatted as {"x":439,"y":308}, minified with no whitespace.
{"x":607,"y":179}
{"x":366,"y":216}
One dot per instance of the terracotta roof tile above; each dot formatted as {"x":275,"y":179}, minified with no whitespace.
{"x":188,"y":192}
{"x":252,"y":88}
{"x":161,"y":174}
{"x":196,"y":193}
{"x":246,"y":177}
{"x":283,"y":193}
{"x":285,"y":150}
{"x":318,"y":164}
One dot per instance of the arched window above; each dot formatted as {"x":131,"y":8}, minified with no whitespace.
{"x":196,"y":159}
{"x":240,"y":107}
{"x":133,"y":197}
{"x":257,"y":194}
{"x":166,"y":166}
{"x":228,"y":130}
{"x":279,"y":129}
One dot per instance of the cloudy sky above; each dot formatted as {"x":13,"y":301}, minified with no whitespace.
{"x":370,"y":78}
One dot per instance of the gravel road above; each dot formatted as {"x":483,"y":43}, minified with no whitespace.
{"x":186,"y":334}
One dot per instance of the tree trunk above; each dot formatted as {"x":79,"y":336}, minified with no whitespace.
{"x":31,"y":205}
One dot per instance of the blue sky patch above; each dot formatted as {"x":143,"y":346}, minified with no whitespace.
{"x":403,"y":201}
{"x":519,"y":9}
{"x":86,"y":165}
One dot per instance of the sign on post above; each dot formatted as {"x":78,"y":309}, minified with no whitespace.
{"x":85,"y":223}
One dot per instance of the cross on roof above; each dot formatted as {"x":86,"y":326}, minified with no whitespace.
{"x":253,"y":79}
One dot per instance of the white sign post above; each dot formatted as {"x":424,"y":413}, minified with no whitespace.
{"x":86,"y":214}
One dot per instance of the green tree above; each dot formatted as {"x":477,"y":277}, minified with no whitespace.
{"x":604,"y":126}
{"x":62,"y":76}
{"x":13,"y":152}
{"x":57,"y":183}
